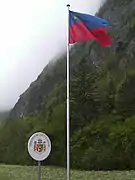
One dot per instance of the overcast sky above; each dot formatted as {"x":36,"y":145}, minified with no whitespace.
{"x":32,"y":32}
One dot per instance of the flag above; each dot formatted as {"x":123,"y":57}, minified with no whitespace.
{"x":83,"y":27}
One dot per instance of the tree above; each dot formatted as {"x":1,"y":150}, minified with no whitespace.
{"x":125,"y":99}
{"x":84,"y":94}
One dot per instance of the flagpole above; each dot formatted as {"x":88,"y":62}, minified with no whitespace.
{"x":68,"y":116}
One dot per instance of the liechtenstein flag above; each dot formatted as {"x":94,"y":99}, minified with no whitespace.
{"x":83,"y":27}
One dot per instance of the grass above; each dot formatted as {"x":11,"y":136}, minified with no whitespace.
{"x":51,"y":173}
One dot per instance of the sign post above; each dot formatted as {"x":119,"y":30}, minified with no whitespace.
{"x":39,"y":170}
{"x":39,"y":148}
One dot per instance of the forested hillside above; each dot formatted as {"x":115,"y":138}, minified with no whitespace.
{"x":102,"y":102}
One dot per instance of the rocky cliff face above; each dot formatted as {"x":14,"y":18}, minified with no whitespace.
{"x":121,"y":14}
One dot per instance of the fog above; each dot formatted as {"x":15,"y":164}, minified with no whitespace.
{"x":32,"y":32}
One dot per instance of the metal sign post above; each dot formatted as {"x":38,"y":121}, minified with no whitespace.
{"x":39,"y":170}
{"x":39,"y":148}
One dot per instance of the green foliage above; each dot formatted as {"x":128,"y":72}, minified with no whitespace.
{"x":105,"y":145}
{"x":84,"y":94}
{"x":125,"y":99}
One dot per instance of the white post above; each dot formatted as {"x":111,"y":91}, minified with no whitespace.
{"x":68,"y":116}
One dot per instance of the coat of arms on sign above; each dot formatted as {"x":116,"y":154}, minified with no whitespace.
{"x":39,"y":146}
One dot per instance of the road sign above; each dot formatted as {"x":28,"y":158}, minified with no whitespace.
{"x":39,"y":146}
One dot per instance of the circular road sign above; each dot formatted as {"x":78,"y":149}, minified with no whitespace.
{"x":39,"y":146}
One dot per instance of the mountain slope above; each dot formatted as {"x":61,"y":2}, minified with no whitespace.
{"x":53,"y":76}
{"x":4,"y":115}
{"x":123,"y":34}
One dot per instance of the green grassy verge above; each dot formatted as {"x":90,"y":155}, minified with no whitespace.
{"x":51,"y":173}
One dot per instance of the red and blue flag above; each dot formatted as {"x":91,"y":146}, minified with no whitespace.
{"x":83,"y":27}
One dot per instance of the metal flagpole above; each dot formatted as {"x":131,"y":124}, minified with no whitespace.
{"x":68,"y":116}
